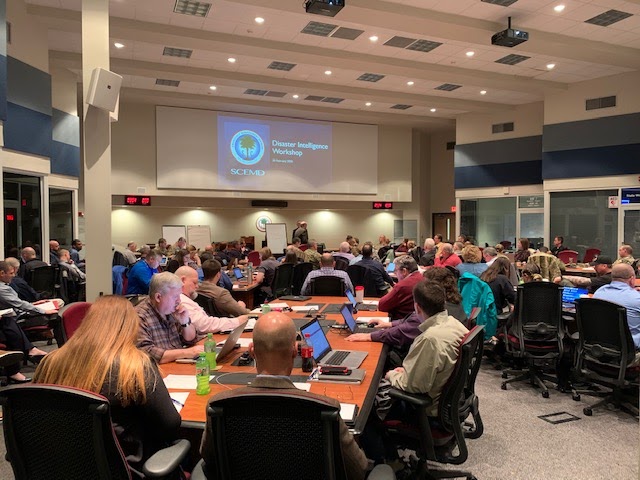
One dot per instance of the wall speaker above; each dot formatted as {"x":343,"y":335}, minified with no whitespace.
{"x":104,"y":89}
{"x":269,"y":203}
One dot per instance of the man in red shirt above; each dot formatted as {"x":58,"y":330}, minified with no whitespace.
{"x":399,"y":301}
{"x":447,"y":258}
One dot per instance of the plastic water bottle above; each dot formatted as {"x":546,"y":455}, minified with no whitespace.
{"x":250,"y":273}
{"x":202,"y":375}
{"x":210,"y":351}
{"x":306,"y":352}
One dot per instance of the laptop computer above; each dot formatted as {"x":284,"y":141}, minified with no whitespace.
{"x":238,"y":273}
{"x":322,"y":352}
{"x":391,"y":267}
{"x":230,"y":342}
{"x":163,"y":261}
{"x":359,"y":306}
{"x":351,"y":323}
{"x":570,"y":295}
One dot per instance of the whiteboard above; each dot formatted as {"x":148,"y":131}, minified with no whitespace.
{"x":199,"y":235}
{"x":172,"y":233}
{"x":276,"y":237}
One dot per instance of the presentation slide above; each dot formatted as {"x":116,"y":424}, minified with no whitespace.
{"x":206,"y":150}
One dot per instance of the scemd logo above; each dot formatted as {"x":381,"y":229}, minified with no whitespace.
{"x":247,"y":147}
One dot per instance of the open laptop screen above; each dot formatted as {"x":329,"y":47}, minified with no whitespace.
{"x":350,"y":296}
{"x":571,"y":294}
{"x":348,"y":318}
{"x":391,"y":267}
{"x":237,"y":272}
{"x":318,"y":339}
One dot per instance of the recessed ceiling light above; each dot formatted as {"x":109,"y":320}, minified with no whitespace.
{"x":410,"y":83}
{"x":373,"y":38}
{"x":259,"y":20}
{"x":296,"y":96}
{"x":483,"y":92}
{"x":470,"y":53}
{"x":559,"y":8}
{"x":213,"y":87}
{"x":433,"y":110}
{"x":551,"y":66}
{"x":368,"y":104}
{"x":328,"y":72}
{"x":118,"y":45}
{"x":231,"y":60}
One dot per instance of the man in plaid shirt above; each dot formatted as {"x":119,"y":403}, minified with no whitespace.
{"x":326,"y":270}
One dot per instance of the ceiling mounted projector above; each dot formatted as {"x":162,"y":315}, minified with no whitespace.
{"x":328,"y":8}
{"x":509,"y":37}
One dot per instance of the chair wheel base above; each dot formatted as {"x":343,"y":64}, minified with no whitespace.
{"x":587,"y":411}
{"x":576,"y":397}
{"x":505,"y":375}
{"x":503,"y":386}
{"x":545,"y":394}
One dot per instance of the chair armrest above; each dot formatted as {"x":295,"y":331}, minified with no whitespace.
{"x":417,"y":399}
{"x":198,"y":471}
{"x":164,"y":462}
{"x":380,"y":472}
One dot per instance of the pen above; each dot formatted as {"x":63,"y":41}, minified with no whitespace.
{"x":180,"y":404}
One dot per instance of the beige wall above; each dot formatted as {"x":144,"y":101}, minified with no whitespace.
{"x":441,"y":175}
{"x":64,"y":90}
{"x":475,"y":127}
{"x":29,"y":42}
{"x":569,"y":106}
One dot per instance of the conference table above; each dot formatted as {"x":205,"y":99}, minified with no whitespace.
{"x":193,"y":412}
{"x":244,"y":292}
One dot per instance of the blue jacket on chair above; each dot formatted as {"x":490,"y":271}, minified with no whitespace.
{"x":477,"y":293}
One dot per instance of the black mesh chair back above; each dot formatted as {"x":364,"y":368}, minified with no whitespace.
{"x":45,"y":280}
{"x":341,"y":263}
{"x":327,"y":285}
{"x":208,"y":304}
{"x":282,"y":280}
{"x":361,"y":275}
{"x":300,"y":272}
{"x":539,"y":312}
{"x":119,"y":259}
{"x":60,"y":433}
{"x":274,"y":437}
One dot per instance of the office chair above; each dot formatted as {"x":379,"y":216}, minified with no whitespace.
{"x":119,"y":259}
{"x":590,"y":255}
{"x":565,"y":256}
{"x":341,"y":263}
{"x":458,"y":403}
{"x":605,"y":351}
{"x":254,"y":258}
{"x":45,"y":280}
{"x":291,"y":437}
{"x":208,"y":305}
{"x":300,"y":272}
{"x":72,"y":316}
{"x":59,"y":433}
{"x":282,"y":280}
{"x":360,"y":275}
{"x":537,"y":334}
{"x":327,"y":286}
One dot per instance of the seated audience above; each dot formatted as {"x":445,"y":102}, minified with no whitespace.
{"x":446,"y":278}
{"x":29,"y":262}
{"x":222,"y":255}
{"x":194,"y":258}
{"x":399,"y":301}
{"x":622,"y":291}
{"x":274,"y":348}
{"x":130,"y":253}
{"x":457,"y":249}
{"x":180,"y":258}
{"x":497,"y":276}
{"x":550,"y":265}
{"x":203,"y":322}
{"x":383,"y":246}
{"x":76,"y":246}
{"x":428,"y":257}
{"x":489,"y":254}
{"x":264,"y":275}
{"x":472,"y":257}
{"x":65,"y":263}
{"x":522,"y":250}
{"x":234,"y":252}
{"x":602,"y":266}
{"x":54,"y":247}
{"x":437,"y":239}
{"x":165,"y":326}
{"x":531,"y":273}
{"x":162,"y":247}
{"x":141,"y":272}
{"x":376,"y":270}
{"x":558,"y":245}
{"x":311,"y":254}
{"x":225,"y":303}
{"x":625,"y":255}
{"x":446,"y":257}
{"x":144,"y":251}
{"x":22,"y":288}
{"x":326,"y":269}
{"x":181,"y":244}
{"x":290,"y":256}
{"x":102,"y":357}
{"x":295,"y":248}
{"x":499,"y":249}
{"x":345,"y":251}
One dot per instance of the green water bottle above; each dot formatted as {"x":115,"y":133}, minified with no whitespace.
{"x":210,"y":351}
{"x":202,"y":375}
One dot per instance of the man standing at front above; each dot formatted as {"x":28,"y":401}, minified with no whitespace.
{"x":274,"y":348}
{"x":164,"y":322}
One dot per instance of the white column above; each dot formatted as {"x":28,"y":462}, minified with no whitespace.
{"x":97,"y":152}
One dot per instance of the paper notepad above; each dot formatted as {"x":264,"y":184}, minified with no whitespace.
{"x":179,"y":399}
{"x":7,"y":311}
{"x":305,"y":308}
{"x":181,"y":382}
{"x":275,"y":305}
{"x":369,"y":319}
{"x":370,"y":302}
{"x":348,"y":412}
{"x":302,"y":386}
{"x":46,"y":306}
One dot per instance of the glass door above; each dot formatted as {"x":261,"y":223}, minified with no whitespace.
{"x":631,"y":229}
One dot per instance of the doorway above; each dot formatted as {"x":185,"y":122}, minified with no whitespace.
{"x":443,"y":223}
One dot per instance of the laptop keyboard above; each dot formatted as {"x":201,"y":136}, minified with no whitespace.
{"x":336,"y":358}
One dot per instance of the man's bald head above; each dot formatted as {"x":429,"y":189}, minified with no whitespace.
{"x":326,"y":260}
{"x":622,"y":272}
{"x":28,"y":253}
{"x":345,"y":247}
{"x":274,"y":344}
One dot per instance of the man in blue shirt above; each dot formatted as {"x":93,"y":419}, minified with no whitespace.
{"x":141,"y":272}
{"x":622,"y":291}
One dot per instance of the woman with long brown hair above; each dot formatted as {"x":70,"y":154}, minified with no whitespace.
{"x":444,"y":277}
{"x":102,"y":357}
{"x":497,"y":276}
{"x":522,"y":252}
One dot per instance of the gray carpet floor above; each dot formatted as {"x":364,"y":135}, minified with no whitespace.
{"x":516,"y":444}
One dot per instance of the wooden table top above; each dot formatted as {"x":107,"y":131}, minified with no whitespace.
{"x":193,"y":413}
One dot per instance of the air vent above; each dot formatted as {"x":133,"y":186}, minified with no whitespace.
{"x":167,"y":83}
{"x":400,"y":106}
{"x":608,"y":18}
{"x":271,"y":93}
{"x":448,"y":87}
{"x":347,"y":33}
{"x":187,"y":7}
{"x":512,"y":59}
{"x":332,"y":100}
{"x":502,"y":3}
{"x":314,"y":98}
{"x":319,"y":29}
{"x":177,"y":52}
{"x":281,"y":66}
{"x":370,"y":77}
{"x":502,"y":127}
{"x":252,"y":91}
{"x":603,"y":102}
{"x":270,"y":203}
{"x":423,"y":45}
{"x":400,"y":42}
{"x":451,"y":145}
